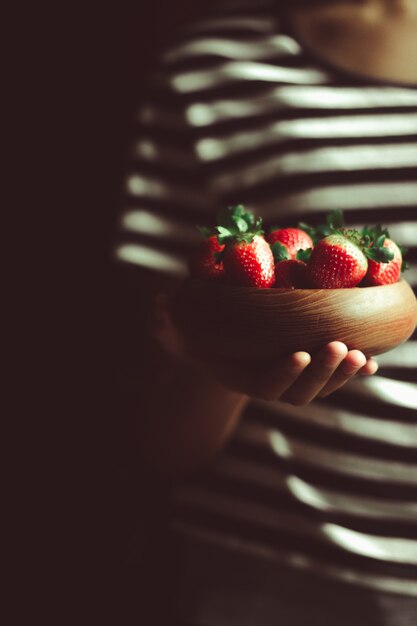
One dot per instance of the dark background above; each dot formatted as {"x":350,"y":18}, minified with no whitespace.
{"x":124,"y":47}
{"x":110,"y":53}
{"x":116,"y":50}
{"x":129,"y":44}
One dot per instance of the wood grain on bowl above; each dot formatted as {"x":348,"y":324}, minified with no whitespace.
{"x":248,"y":324}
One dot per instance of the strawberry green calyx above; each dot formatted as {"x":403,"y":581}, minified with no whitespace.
{"x":206,"y":232}
{"x":304,"y":255}
{"x":377,"y":252}
{"x":334,"y":223}
{"x":372,"y":249}
{"x":371,"y":233}
{"x":280,"y":252}
{"x":316,"y":232}
{"x":247,"y":257}
{"x":373,"y":240}
{"x":236,"y":225}
{"x":385,"y":273}
{"x":351,"y":235}
{"x":335,"y":219}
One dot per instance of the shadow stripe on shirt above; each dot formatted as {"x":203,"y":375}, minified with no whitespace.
{"x":289,"y":541}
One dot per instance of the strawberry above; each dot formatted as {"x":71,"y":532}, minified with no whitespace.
{"x":247,"y":257}
{"x":380,"y":273}
{"x":250,"y":263}
{"x":340,"y":260}
{"x":337,"y":262}
{"x":204,"y":263}
{"x":291,"y":274}
{"x":294,"y":239}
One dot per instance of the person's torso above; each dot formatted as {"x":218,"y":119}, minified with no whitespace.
{"x":331,"y":487}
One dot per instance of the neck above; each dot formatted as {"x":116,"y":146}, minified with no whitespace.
{"x":391,"y":7}
{"x":375,"y":38}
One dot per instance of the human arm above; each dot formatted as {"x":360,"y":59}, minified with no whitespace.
{"x":189,"y":408}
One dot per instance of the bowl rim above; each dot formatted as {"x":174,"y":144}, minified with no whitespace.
{"x":276,"y":290}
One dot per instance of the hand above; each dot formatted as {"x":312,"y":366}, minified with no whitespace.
{"x":297,"y":379}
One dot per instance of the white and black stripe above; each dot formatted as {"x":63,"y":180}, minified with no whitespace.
{"x":240,"y":113}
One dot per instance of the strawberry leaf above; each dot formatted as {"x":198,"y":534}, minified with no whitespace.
{"x":280,"y":252}
{"x":224,"y":218}
{"x":249,"y":218}
{"x":334,"y":223}
{"x":303,"y":226}
{"x":205,"y":231}
{"x":246,"y":237}
{"x":366,"y":241}
{"x":310,"y":230}
{"x":379,"y":241}
{"x":323,"y":231}
{"x":335,"y":219}
{"x":240,"y":223}
{"x":355,"y":236}
{"x":237,"y":220}
{"x":316,"y":232}
{"x":238,"y":210}
{"x":224,"y":234}
{"x":373,"y":232}
{"x":403,"y":250}
{"x":380,"y":255}
{"x":304,"y":255}
{"x":257,"y":226}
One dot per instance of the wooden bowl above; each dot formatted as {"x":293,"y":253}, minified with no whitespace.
{"x":249,"y":324}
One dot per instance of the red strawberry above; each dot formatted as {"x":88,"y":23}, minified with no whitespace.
{"x":247,"y":258}
{"x":337,"y":261}
{"x":294,"y":239}
{"x":204,"y":263}
{"x":291,"y":274}
{"x":250,"y":263}
{"x":380,"y":273}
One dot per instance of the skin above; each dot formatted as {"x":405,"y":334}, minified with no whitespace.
{"x":189,"y":408}
{"x":372,"y":38}
{"x":295,"y":379}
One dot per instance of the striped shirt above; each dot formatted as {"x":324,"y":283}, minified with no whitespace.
{"x":241,"y":112}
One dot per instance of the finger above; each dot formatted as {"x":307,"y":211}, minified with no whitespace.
{"x":351,"y":365}
{"x":258,"y":380}
{"x":370,"y":368}
{"x":316,"y":376}
{"x":273,"y":383}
